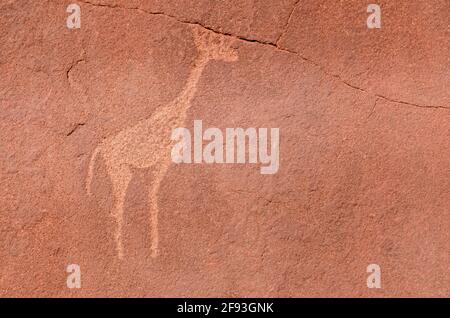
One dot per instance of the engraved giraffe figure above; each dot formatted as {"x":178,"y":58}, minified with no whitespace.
{"x":148,"y":144}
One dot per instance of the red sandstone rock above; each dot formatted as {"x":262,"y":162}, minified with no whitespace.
{"x":364,"y":177}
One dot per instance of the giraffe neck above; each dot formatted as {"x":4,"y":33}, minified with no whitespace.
{"x":183,"y":102}
{"x":175,"y":113}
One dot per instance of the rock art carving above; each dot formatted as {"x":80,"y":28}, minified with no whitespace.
{"x":148,"y":144}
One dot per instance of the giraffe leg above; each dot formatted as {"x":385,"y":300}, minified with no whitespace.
{"x":158,"y":176}
{"x":121,"y":177}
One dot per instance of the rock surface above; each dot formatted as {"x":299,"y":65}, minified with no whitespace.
{"x":364,"y":118}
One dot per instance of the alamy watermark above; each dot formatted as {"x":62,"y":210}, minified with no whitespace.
{"x":374,"y":279}
{"x":235,"y":145}
{"x":74,"y":19}
{"x":74,"y":278}
{"x":374,"y":19}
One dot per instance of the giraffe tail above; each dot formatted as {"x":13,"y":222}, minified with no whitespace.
{"x":90,"y":174}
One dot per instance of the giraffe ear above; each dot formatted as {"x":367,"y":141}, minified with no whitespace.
{"x":197,"y":33}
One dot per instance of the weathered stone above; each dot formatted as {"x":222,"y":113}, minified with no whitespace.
{"x":364,"y":121}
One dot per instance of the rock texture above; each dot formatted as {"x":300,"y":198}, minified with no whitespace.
{"x":364,"y":118}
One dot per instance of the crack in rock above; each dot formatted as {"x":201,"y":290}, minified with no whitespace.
{"x":72,"y":66}
{"x":286,"y":26}
{"x":74,"y":129}
{"x":267,"y":43}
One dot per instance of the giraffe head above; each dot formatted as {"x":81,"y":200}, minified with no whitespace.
{"x":214,"y":46}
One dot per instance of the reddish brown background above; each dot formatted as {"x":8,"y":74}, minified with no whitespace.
{"x":365,"y":148}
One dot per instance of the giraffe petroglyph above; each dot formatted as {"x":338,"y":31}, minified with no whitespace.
{"x":147,"y":144}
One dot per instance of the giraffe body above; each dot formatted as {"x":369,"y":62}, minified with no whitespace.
{"x":147,"y":144}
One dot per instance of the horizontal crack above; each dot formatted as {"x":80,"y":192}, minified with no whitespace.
{"x":410,"y":104}
{"x":267,"y":43}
